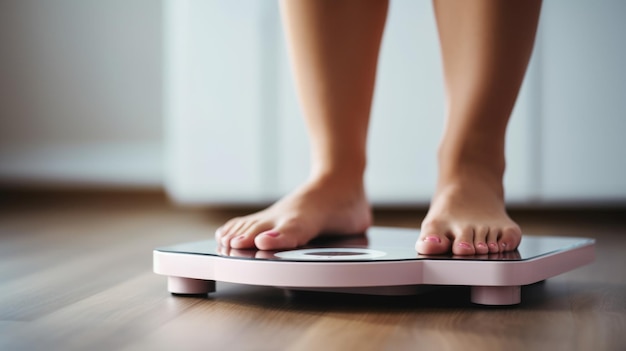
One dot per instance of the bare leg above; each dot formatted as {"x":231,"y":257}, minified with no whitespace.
{"x":486,"y":45}
{"x":334,"y":50}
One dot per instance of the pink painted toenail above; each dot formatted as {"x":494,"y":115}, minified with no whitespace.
{"x":493,"y":245}
{"x":240,"y":237}
{"x":481,"y":245}
{"x":432,"y":239}
{"x":272,"y":234}
{"x":465,"y":245}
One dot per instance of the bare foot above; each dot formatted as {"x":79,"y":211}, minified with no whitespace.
{"x":334,"y":206}
{"x":468,"y":217}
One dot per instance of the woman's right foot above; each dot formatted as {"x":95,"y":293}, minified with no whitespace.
{"x":323,"y":206}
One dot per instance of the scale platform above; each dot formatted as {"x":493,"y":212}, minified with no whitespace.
{"x":381,"y":262}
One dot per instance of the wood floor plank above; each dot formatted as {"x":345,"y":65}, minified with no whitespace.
{"x":61,"y":284}
{"x":106,"y":320}
{"x":226,"y":321}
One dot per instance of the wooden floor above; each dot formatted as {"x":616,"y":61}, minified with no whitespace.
{"x":76,"y":274}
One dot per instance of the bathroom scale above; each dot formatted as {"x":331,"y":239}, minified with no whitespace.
{"x":382,"y":261}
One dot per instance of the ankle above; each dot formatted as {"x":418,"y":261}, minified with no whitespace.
{"x":472,"y":158}
{"x":340,"y":181}
{"x":470,"y":172}
{"x":343,"y":174}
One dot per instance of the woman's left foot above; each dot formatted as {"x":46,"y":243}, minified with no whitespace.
{"x":467,"y":217}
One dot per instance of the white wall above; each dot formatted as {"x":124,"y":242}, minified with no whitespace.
{"x":583,"y":101}
{"x":80,"y":92}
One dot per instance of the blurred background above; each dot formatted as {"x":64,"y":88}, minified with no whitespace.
{"x":196,"y":98}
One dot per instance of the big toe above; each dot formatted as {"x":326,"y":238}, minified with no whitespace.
{"x":286,"y":236}
{"x":272,"y":240}
{"x":433,"y":240}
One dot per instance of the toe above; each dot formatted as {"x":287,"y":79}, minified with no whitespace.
{"x":275,"y":240}
{"x":510,"y":238}
{"x":234,"y":230}
{"x":245,"y":228}
{"x":480,"y":240}
{"x":219,"y":232}
{"x":227,"y":227}
{"x":224,"y":238}
{"x":433,"y":239}
{"x":248,"y":234}
{"x":238,"y":242}
{"x":222,"y":231}
{"x":288,"y":235}
{"x":492,"y":240}
{"x":464,"y":242}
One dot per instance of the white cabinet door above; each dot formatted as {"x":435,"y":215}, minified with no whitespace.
{"x":214,"y":102}
{"x":583,"y":101}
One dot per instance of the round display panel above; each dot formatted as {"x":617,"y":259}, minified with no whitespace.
{"x":331,"y":254}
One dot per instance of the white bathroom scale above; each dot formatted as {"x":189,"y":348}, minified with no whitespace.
{"x":383,"y":261}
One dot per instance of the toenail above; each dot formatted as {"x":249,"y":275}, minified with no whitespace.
{"x":433,"y":239}
{"x":493,"y":245}
{"x":503,"y":245}
{"x":481,"y":245}
{"x":272,"y":234}
{"x":240,"y":237}
{"x":465,"y":245}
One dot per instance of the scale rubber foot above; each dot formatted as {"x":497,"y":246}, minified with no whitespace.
{"x":189,"y":286}
{"x":496,"y":295}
